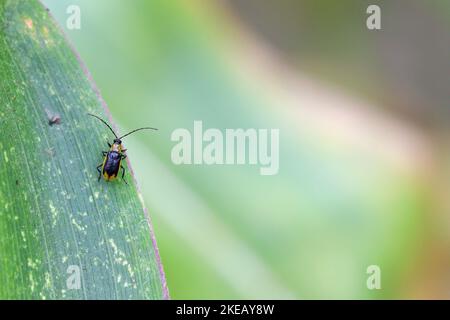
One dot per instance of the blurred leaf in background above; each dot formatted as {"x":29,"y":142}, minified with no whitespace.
{"x":351,"y":190}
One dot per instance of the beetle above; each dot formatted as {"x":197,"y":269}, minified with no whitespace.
{"x":112,"y":161}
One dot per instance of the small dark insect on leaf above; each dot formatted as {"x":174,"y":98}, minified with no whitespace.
{"x":53,"y":118}
{"x":17,"y":182}
{"x":112,"y":159}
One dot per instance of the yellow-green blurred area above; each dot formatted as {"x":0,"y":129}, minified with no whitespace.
{"x":363,"y":117}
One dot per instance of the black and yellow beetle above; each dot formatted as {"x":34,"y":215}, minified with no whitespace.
{"x":112,"y":161}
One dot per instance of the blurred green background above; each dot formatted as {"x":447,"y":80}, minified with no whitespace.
{"x":363,"y":140}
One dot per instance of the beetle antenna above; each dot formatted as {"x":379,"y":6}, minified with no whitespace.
{"x":106,"y":124}
{"x":145,"y":128}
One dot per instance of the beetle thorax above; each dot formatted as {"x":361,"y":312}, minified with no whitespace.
{"x":116,"y":147}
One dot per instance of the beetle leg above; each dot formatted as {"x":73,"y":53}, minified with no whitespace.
{"x":109,"y":144}
{"x":123,"y":156}
{"x":123,"y":174}
{"x":99,"y":171}
{"x":104,"y":153}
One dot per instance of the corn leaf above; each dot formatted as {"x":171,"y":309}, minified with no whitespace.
{"x":63,"y":234}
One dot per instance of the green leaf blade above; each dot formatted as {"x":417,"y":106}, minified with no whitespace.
{"x":54,"y":215}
